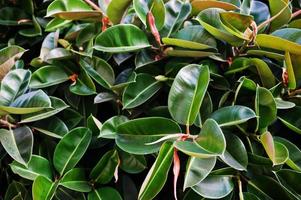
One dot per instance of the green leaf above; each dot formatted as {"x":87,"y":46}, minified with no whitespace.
{"x":232,"y":115}
{"x":8,"y":57}
{"x":136,"y":136}
{"x":57,"y":105}
{"x":104,"y":170}
{"x":140,"y":91}
{"x":198,"y":169}
{"x":188,"y":53}
{"x":14,"y":84}
{"x":71,"y":149}
{"x":211,"y":138}
{"x":246,"y":7}
{"x":18,"y":143}
{"x":292,"y":84}
{"x":100,"y":71}
{"x":193,"y":80}
{"x":121,"y":38}
{"x":175,"y":15}
{"x":265,"y":107}
{"x":43,"y":188}
{"x":142,"y":7}
{"x":214,"y":187}
{"x":290,"y":180}
{"x":236,"y":155}
{"x":72,"y":10}
{"x":265,"y":187}
{"x":109,"y":127}
{"x":211,"y":21}
{"x":276,"y":151}
{"x":104,"y":193}
{"x":15,"y":189}
{"x":28,"y":103}
{"x":48,"y":75}
{"x":158,"y":173}
{"x":294,"y":160}
{"x":75,"y":179}
{"x":131,"y":163}
{"x":37,"y":166}
{"x":10,"y":16}
{"x":83,"y":85}
{"x":292,"y":121}
{"x":57,"y":128}
{"x":200,"y":5}
{"x":284,"y":17}
{"x":116,"y":10}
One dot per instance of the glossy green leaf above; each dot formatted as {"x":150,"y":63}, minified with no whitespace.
{"x":43,"y":188}
{"x":157,"y":175}
{"x":140,"y":91}
{"x":121,"y":38}
{"x":198,"y":169}
{"x":104,"y":193}
{"x":236,"y":154}
{"x":116,"y":10}
{"x":210,"y":20}
{"x":14,"y":84}
{"x":136,"y":136}
{"x":232,"y":115}
{"x":294,"y":160}
{"x":57,"y":105}
{"x":71,"y":149}
{"x":276,"y":151}
{"x":75,"y":179}
{"x":100,"y":71}
{"x":214,"y":187}
{"x":142,"y":7}
{"x":109,"y":127}
{"x":57,"y":128}
{"x":37,"y":166}
{"x":72,"y":10}
{"x":28,"y":103}
{"x":18,"y":143}
{"x":284,"y":17}
{"x":193,"y":80}
{"x":83,"y":85}
{"x":8,"y":56}
{"x":176,"y":14}
{"x":200,"y":5}
{"x":104,"y":170}
{"x":265,"y":107}
{"x":47,"y":76}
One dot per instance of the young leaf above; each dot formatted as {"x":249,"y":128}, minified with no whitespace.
{"x":43,"y":188}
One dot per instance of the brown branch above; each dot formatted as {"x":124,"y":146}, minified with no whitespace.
{"x":297,"y":13}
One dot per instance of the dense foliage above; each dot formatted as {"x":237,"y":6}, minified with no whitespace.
{"x":143,"y":99}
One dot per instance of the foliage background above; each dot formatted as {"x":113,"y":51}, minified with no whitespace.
{"x":127,"y":99}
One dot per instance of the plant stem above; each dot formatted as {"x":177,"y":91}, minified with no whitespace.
{"x":7,"y":124}
{"x":93,"y":5}
{"x":241,"y":196}
{"x":297,"y":13}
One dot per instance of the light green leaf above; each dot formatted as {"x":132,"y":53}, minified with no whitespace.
{"x":104,"y":193}
{"x":116,"y":10}
{"x":43,"y":188}
{"x":121,"y":38}
{"x":37,"y":166}
{"x":232,"y":115}
{"x":18,"y":143}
